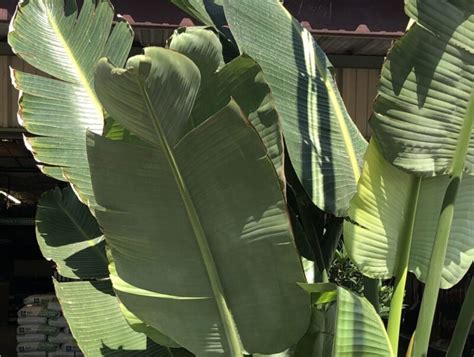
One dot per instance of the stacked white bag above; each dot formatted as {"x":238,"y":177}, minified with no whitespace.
{"x":42,"y":329}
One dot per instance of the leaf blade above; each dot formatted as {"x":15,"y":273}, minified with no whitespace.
{"x":318,"y":131}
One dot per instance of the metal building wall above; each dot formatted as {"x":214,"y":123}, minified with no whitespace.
{"x":358,"y":87}
{"x":8,"y":94}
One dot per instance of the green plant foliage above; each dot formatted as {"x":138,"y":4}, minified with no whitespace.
{"x":376,"y":231}
{"x":57,"y":39}
{"x":342,"y":324}
{"x":423,"y":121}
{"x":180,"y":154}
{"x":323,"y":143}
{"x":425,"y":87}
{"x":206,"y":210}
{"x":201,"y":45}
{"x":236,"y":80}
{"x":96,"y":321}
{"x":69,"y":235}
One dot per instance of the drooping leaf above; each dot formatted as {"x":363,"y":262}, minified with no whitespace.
{"x":242,"y":80}
{"x":207,"y":211}
{"x":421,"y":113}
{"x":135,"y":323}
{"x":324,"y":144}
{"x":319,"y":339}
{"x":342,"y":324}
{"x":201,"y":45}
{"x":92,"y":311}
{"x":139,"y":326}
{"x":378,"y":215}
{"x":175,"y":106}
{"x":68,"y":234}
{"x":57,"y":39}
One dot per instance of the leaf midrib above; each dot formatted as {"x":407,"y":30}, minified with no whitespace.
{"x":206,"y":254}
{"x":81,"y":77}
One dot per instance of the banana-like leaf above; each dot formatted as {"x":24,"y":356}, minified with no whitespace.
{"x":324,"y":144}
{"x":68,"y":234}
{"x":96,"y":321}
{"x":237,"y":79}
{"x":378,"y":217}
{"x":139,"y":326}
{"x":421,"y":116}
{"x":201,"y":45}
{"x":319,"y":339}
{"x":343,"y":324}
{"x":206,"y":211}
{"x":135,"y":323}
{"x":234,"y":80}
{"x":57,"y":39}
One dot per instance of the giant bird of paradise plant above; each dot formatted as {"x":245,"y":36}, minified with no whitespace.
{"x":204,"y":164}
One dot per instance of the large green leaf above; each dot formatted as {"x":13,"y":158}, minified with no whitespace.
{"x":421,"y":116}
{"x":324,"y":144}
{"x":201,"y":45}
{"x":57,"y":39}
{"x":234,"y":80}
{"x":378,"y":217}
{"x":242,"y":79}
{"x":69,"y":235}
{"x":343,"y":324}
{"x":96,"y":321}
{"x":206,"y":211}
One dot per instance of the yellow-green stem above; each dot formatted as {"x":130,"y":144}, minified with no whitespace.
{"x":463,"y":325}
{"x":396,"y":304}
{"x":433,"y":281}
{"x":443,"y":230}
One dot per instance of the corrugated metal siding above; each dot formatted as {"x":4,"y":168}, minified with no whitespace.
{"x":357,"y":85}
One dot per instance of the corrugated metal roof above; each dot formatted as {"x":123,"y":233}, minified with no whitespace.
{"x":363,"y":27}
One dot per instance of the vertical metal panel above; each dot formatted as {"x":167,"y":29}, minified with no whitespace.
{"x":349,"y":86}
{"x":5,"y":92}
{"x":362,"y":84}
{"x":358,"y":87}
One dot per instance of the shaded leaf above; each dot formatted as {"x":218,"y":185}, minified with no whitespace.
{"x":324,"y":144}
{"x":421,"y":116}
{"x":68,"y":234}
{"x":215,"y":202}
